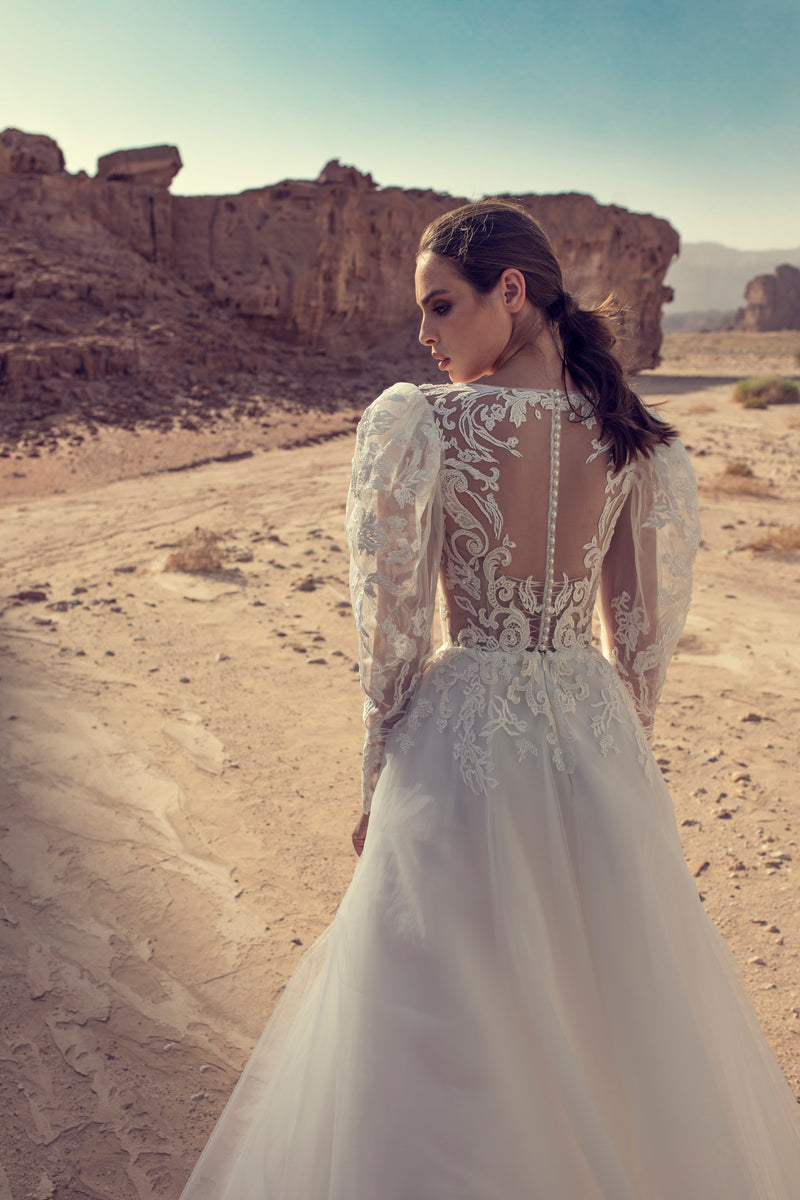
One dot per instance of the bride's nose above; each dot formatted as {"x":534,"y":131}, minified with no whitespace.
{"x":425,"y":338}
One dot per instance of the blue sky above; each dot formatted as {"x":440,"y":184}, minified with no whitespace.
{"x":689,"y":109}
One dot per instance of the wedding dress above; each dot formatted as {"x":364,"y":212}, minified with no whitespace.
{"x":521,"y":997}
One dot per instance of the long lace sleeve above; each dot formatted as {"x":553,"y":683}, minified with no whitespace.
{"x":394,"y":529}
{"x":646,"y":579}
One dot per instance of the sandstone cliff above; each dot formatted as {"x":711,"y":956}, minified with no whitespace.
{"x":772,"y":301}
{"x":120,"y":300}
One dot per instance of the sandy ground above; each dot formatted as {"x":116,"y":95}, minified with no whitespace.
{"x":180,"y":754}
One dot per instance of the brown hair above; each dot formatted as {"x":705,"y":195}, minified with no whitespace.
{"x":481,"y":241}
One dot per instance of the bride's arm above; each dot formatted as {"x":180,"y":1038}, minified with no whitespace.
{"x":394,"y":528}
{"x":646,"y":579}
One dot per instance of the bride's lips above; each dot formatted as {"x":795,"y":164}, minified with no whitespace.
{"x":442,"y":363}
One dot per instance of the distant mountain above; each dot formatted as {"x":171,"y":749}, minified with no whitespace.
{"x":710,"y":276}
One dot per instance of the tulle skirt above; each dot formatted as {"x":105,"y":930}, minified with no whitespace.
{"x":520,"y":998}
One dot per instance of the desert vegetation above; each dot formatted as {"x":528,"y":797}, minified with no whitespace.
{"x":738,"y":478}
{"x":766,"y":390}
{"x":197,"y":553}
{"x":781,"y":539}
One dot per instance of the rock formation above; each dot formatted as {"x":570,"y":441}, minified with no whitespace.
{"x":334,"y":172}
{"x":151,"y":166}
{"x":29,"y":154}
{"x":120,"y":298}
{"x":772,"y":301}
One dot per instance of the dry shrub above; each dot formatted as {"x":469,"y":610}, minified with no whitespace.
{"x":783,"y":539}
{"x":196,"y":554}
{"x":769,"y":389}
{"x":739,"y":467}
{"x":738,"y":479}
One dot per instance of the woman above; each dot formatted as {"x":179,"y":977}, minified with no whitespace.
{"x":521,"y":996}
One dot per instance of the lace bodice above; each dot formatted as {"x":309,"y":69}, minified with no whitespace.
{"x":509,"y":497}
{"x":521,"y":553}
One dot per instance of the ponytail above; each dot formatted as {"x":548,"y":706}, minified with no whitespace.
{"x":586,"y":345}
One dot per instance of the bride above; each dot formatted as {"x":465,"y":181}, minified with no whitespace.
{"x":521,"y":997}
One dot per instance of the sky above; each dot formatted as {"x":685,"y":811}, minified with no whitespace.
{"x":687,"y":109}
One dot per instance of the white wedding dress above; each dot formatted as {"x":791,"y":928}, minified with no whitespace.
{"x":521,"y":997}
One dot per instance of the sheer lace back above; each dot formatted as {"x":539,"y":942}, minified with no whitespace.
{"x":530,"y":500}
{"x":510,"y":499}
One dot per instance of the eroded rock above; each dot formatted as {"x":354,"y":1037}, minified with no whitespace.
{"x":29,"y":154}
{"x":771,"y":301}
{"x":130,"y":305}
{"x":151,"y":166}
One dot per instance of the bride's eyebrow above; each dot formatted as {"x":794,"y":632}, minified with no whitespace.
{"x":431,"y":294}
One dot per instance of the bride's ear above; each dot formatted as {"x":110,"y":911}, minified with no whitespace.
{"x":512,"y":289}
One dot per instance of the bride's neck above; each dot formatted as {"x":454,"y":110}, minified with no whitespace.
{"x":536,"y":365}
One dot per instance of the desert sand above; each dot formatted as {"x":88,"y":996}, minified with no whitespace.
{"x":180,"y":756}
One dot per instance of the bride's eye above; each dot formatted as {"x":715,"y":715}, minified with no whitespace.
{"x":441,"y":309}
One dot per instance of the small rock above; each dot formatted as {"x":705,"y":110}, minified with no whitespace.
{"x":319,"y":662}
{"x":197,"y":1096}
{"x":724,"y":815}
{"x":689,"y":821}
{"x":307,"y":584}
{"x":184,"y":679}
{"x":110,"y":654}
{"x":32,"y":595}
{"x":222,"y":657}
{"x":703,"y":867}
{"x":754,"y":717}
{"x":740,"y":777}
{"x":757,"y":961}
